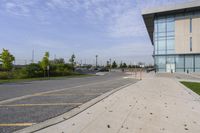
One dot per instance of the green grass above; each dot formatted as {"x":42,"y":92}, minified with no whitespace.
{"x":193,"y":86}
{"x":43,"y":78}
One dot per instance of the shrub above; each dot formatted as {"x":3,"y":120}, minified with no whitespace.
{"x":61,"y":69}
{"x":4,"y":75}
{"x":29,"y":71}
{"x":20,"y":73}
{"x":34,"y":70}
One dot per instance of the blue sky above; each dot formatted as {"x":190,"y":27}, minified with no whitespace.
{"x":110,"y":28}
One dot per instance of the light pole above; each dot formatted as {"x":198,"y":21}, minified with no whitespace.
{"x":110,"y":64}
{"x":81,"y":62}
{"x":96,"y":61}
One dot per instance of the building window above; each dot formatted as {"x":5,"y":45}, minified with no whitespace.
{"x":190,"y":44}
{"x":170,"y":46}
{"x":161,"y":27}
{"x":189,"y":60}
{"x":190,"y":24}
{"x":180,"y":63}
{"x":164,"y":33}
{"x":197,"y":63}
{"x":170,"y":26}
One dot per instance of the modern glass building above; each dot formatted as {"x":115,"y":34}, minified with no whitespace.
{"x":175,"y":35}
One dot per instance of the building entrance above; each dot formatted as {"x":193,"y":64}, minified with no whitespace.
{"x":170,"y":68}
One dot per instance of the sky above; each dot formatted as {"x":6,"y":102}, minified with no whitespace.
{"x":107,"y":28}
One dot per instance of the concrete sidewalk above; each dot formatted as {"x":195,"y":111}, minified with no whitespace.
{"x":153,"y":105}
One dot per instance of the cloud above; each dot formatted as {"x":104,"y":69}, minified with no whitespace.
{"x":129,"y":24}
{"x":47,"y":43}
{"x":117,"y":18}
{"x":20,"y":8}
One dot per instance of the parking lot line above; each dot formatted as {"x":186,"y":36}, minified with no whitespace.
{"x":16,"y":124}
{"x":88,"y":94}
{"x":44,"y":104}
{"x":52,"y":91}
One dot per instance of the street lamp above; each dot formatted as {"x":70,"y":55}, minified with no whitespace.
{"x":96,"y":61}
{"x":110,"y":64}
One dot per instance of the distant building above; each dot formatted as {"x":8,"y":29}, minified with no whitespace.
{"x":175,"y":34}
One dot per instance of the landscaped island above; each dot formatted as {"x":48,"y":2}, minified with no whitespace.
{"x":194,"y":86}
{"x":42,"y":70}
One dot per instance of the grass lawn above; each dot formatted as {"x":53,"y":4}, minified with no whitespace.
{"x":42,"y":78}
{"x":193,"y":86}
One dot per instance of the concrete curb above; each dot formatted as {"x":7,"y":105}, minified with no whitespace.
{"x":70,"y":114}
{"x":196,"y":96}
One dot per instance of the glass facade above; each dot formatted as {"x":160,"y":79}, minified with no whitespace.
{"x":166,"y":59}
{"x":164,"y":28}
{"x":182,"y":63}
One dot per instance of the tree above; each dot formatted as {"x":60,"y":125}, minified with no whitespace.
{"x":45,"y":62}
{"x":7,"y":60}
{"x":130,"y":66}
{"x":114,"y":64}
{"x":72,"y":61}
{"x":33,"y":70}
{"x":124,"y":65}
{"x":58,"y":61}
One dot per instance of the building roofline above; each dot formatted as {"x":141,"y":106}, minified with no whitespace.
{"x":149,"y":14}
{"x":174,"y":7}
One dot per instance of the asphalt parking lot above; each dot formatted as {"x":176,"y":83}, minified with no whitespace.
{"x":48,"y":103}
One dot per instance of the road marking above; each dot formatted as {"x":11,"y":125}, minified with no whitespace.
{"x":16,"y":124}
{"x":52,"y":91}
{"x":45,"y":104}
{"x":130,"y":77}
{"x":70,"y":114}
{"x":71,"y":94}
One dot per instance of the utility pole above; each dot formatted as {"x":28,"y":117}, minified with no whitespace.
{"x":96,"y":61}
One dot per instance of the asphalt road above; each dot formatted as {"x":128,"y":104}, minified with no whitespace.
{"x":60,"y":96}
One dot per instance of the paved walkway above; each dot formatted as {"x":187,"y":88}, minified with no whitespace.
{"x":153,"y":105}
{"x":193,"y":77}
